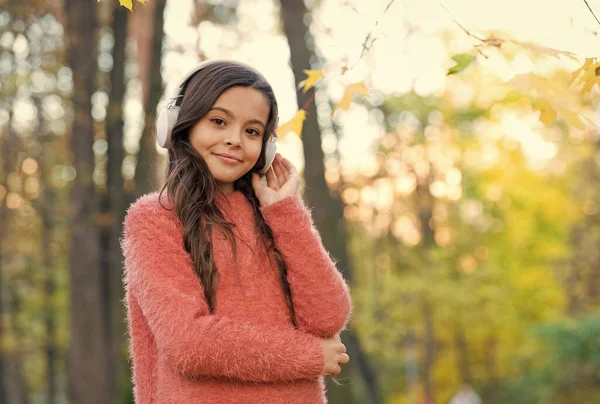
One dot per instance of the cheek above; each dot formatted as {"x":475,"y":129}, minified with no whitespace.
{"x":197,"y":141}
{"x":256,"y":149}
{"x":196,"y":145}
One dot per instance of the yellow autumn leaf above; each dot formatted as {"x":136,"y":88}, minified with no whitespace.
{"x":309,"y":82}
{"x":128,"y":4}
{"x":522,"y":83}
{"x":532,"y":84}
{"x":293,"y":125}
{"x":547,"y":111}
{"x":550,"y":109}
{"x":571,"y":118}
{"x":586,"y":65}
{"x":544,"y":50}
{"x":349,"y":92}
{"x":587,"y":75}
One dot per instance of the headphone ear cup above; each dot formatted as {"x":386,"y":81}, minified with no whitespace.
{"x":270,"y":152}
{"x":164,"y":126}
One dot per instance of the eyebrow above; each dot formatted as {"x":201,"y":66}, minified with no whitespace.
{"x":226,"y":111}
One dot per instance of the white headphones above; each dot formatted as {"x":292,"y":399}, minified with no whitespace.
{"x":168,"y":118}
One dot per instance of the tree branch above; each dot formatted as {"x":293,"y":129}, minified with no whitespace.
{"x":460,"y":25}
{"x":368,"y":42}
{"x":591,"y":11}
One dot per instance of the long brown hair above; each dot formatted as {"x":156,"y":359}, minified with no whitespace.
{"x":192,"y":188}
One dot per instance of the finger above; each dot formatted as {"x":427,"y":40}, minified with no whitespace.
{"x":280,"y":159}
{"x":290,"y":168}
{"x":278,"y":168}
{"x":256,"y":182}
{"x":344,"y":358}
{"x":272,"y":179}
{"x":284,"y":168}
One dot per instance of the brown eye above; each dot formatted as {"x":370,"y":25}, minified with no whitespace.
{"x":253,"y":132}
{"x":218,"y":121}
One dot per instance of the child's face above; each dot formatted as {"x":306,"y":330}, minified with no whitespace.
{"x":235,"y":125}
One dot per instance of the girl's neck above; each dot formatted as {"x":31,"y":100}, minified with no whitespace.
{"x":226,"y":188}
{"x":230,"y":196}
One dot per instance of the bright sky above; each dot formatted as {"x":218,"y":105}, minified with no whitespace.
{"x":408,"y":51}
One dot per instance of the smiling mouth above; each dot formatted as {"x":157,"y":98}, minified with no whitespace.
{"x":228,"y":159}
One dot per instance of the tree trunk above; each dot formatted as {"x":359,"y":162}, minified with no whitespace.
{"x":18,"y":384}
{"x":7,"y":167}
{"x":492,"y":386}
{"x":17,"y":391}
{"x":114,"y":210}
{"x":146,"y":172}
{"x":575,"y":281}
{"x":425,"y":213}
{"x":329,"y":217}
{"x":582,"y":281}
{"x":429,"y":350}
{"x":462,"y":352}
{"x":86,"y":358}
{"x":45,"y":207}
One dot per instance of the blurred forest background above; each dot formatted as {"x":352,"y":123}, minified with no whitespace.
{"x":459,"y":190}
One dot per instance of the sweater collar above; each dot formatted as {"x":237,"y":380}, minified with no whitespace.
{"x":236,"y":199}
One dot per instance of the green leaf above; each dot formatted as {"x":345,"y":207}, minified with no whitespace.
{"x":463,"y":61}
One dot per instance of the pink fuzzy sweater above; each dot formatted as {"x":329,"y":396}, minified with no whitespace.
{"x":247,"y":351}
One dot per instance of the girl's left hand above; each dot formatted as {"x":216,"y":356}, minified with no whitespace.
{"x":282,"y":182}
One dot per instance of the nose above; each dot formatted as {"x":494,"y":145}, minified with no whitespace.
{"x":233,"y":137}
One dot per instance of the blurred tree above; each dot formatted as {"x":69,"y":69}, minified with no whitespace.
{"x":582,"y":270}
{"x":87,"y":384}
{"x":14,"y":382}
{"x":329,"y":217}
{"x":46,"y":209}
{"x":8,"y":147}
{"x":8,"y":140}
{"x":424,"y":203}
{"x":113,"y":210}
{"x":19,"y":390}
{"x":146,"y":172}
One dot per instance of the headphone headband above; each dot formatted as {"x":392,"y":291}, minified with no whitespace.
{"x":180,"y":89}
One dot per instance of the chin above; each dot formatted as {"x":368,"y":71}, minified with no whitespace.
{"x":228,"y":180}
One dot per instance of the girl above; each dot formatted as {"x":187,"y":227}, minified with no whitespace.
{"x":230,"y":295}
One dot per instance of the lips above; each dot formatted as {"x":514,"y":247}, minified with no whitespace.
{"x":229,"y":156}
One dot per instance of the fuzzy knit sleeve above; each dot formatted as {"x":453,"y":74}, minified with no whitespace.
{"x":159,"y":272}
{"x":142,"y":348}
{"x":319,"y":292}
